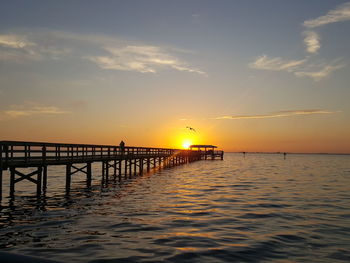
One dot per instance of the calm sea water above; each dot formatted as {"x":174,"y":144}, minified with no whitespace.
{"x":259,"y":208}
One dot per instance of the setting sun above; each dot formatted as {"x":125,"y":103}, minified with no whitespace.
{"x":186,"y":144}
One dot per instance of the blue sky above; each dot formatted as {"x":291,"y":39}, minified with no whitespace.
{"x":278,"y":68}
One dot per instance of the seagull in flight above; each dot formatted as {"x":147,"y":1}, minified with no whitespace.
{"x":190,"y":128}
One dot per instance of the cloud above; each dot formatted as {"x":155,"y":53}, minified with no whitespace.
{"x":144,"y":59}
{"x":276,"y":64}
{"x":312,"y":41}
{"x":106,"y":52}
{"x":300,"y":68}
{"x":305,"y":67}
{"x":323,"y":71}
{"x":15,"y":41}
{"x":278,"y":114}
{"x":340,"y":13}
{"x":29,"y":109}
{"x":17,"y":48}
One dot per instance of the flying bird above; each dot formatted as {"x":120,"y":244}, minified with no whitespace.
{"x":190,"y":128}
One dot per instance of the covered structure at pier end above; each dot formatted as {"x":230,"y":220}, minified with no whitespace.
{"x":207,"y":151}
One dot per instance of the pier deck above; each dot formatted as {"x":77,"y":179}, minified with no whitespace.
{"x":125,"y":161}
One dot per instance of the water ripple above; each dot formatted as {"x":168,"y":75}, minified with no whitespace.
{"x":254,"y":209}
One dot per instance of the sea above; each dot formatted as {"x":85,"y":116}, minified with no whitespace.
{"x":252,"y":208}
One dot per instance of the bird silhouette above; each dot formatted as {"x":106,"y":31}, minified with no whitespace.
{"x":190,"y":128}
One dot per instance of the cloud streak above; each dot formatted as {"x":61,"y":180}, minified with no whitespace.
{"x":312,"y":41}
{"x":276,"y":64}
{"x":278,"y":114}
{"x":29,"y":110}
{"x":144,"y":59}
{"x":107,"y":53}
{"x":300,"y":68}
{"x":321,"y":71}
{"x":339,"y":14}
{"x":15,"y":41}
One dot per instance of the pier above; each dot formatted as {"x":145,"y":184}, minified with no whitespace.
{"x":116,"y":162}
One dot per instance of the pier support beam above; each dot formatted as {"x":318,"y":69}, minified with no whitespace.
{"x":0,"y":185}
{"x":135,"y":166}
{"x":39,"y":181}
{"x":22,"y":176}
{"x":126,"y":169}
{"x":130,"y":164}
{"x":140,"y":166}
{"x":88,"y":174}
{"x":68,"y":177}
{"x":148,"y":165}
{"x":72,"y":169}
{"x":114,"y":170}
{"x":106,"y":171}
{"x":44,"y":179}
{"x":120,"y":170}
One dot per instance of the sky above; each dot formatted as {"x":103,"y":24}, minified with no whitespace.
{"x":246,"y":75}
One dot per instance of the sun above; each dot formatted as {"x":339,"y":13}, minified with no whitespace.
{"x":186,"y":144}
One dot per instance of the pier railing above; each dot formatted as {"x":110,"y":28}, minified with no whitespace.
{"x":125,"y":161}
{"x":14,"y":153}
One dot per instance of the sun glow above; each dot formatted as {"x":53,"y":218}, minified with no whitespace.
{"x":186,"y":144}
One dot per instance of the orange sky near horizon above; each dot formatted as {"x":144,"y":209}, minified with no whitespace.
{"x":297,"y":134}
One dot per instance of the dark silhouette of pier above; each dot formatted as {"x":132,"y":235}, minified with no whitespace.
{"x":116,"y":162}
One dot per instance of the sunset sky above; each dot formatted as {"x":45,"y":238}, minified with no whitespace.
{"x":246,"y":75}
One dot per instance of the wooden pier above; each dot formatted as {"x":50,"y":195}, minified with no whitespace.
{"x":116,"y":162}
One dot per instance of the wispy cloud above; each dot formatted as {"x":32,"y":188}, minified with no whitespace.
{"x":277,"y":63}
{"x":278,"y":114}
{"x":306,"y":67}
{"x":340,"y":13}
{"x":144,"y":59}
{"x":318,"y":72}
{"x":29,"y":109}
{"x":106,"y":52}
{"x":300,"y":68}
{"x":312,"y":41}
{"x":15,"y":41}
{"x":17,"y":48}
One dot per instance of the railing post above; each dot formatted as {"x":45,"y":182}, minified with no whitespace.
{"x":25,"y":153}
{"x":43,"y":151}
{"x":6,"y":150}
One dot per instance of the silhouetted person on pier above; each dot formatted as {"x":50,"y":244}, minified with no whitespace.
{"x":122,"y":147}
{"x":284,"y":155}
